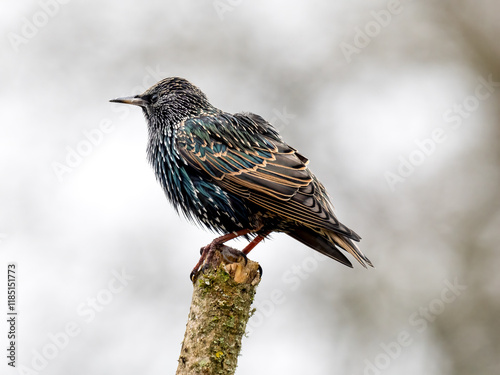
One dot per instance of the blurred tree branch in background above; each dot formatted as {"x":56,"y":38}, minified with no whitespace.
{"x":469,"y":337}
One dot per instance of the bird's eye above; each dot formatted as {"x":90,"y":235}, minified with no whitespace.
{"x":154,"y":98}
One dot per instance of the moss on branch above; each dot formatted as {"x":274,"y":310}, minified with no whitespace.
{"x":220,"y":309}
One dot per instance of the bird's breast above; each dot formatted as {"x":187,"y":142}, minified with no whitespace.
{"x":196,"y":196}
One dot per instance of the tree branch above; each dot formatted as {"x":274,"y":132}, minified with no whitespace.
{"x":219,"y":313}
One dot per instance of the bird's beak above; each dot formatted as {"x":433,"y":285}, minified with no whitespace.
{"x":135,"y":100}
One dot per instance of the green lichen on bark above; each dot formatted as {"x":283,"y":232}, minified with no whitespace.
{"x":220,"y":309}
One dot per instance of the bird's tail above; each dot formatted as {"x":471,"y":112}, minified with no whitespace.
{"x":328,"y":243}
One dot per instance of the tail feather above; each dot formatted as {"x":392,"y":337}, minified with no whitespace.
{"x":349,"y":246}
{"x":320,"y":244}
{"x":327,"y":242}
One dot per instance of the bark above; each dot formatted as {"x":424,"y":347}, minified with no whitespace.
{"x":219,"y":313}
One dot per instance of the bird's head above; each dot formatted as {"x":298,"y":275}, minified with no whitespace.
{"x":170,"y":101}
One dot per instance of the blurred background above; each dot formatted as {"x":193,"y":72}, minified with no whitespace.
{"x":396,"y":104}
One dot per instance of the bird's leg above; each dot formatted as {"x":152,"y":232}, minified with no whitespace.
{"x":207,"y":252}
{"x":255,"y":242}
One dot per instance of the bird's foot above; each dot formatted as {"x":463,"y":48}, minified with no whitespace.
{"x":207,"y":256}
{"x":239,"y":267}
{"x":234,"y":260}
{"x":228,"y":255}
{"x":207,"y":252}
{"x":231,"y":255}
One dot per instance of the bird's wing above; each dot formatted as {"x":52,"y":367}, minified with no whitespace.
{"x":247,"y":157}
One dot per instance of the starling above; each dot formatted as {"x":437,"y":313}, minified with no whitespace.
{"x":235,"y":175}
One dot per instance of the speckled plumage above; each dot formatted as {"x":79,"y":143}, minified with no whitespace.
{"x":234,"y":173}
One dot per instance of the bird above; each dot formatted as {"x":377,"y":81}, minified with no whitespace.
{"x":235,"y":175}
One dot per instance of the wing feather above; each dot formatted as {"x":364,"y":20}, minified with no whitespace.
{"x":244,"y":155}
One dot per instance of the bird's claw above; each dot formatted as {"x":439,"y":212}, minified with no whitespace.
{"x":193,"y":275}
{"x":229,"y":255}
{"x":260,"y":271}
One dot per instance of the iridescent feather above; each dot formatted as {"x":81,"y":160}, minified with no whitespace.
{"x":234,"y":172}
